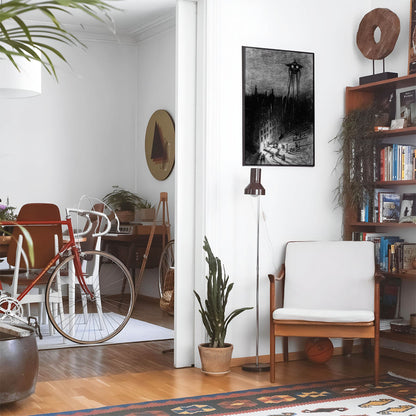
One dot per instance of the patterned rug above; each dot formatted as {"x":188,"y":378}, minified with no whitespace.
{"x":349,"y":397}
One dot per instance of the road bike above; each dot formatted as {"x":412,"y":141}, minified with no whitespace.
{"x":89,"y":295}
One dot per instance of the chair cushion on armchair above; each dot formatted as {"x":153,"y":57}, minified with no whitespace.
{"x":323,"y":315}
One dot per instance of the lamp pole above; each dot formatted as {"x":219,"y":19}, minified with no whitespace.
{"x":256,"y":189}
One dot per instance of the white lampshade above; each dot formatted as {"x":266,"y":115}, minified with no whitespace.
{"x":20,"y":84}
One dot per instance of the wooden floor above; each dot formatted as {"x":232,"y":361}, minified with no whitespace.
{"x":88,"y":377}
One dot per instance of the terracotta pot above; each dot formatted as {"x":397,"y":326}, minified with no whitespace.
{"x":215,"y":361}
{"x":145,"y":214}
{"x":125,"y":216}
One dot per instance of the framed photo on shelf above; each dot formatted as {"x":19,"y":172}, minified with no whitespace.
{"x":389,"y":207}
{"x":278,"y":107}
{"x":406,"y":105}
{"x":408,"y":208}
{"x":412,"y":38}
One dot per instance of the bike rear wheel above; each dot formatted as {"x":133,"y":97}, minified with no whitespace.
{"x":84,"y":319}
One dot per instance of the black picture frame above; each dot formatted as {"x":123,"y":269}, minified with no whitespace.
{"x":278,"y":107}
{"x":412,"y":38}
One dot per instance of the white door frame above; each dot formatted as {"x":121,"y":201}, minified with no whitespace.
{"x":197,"y":118}
{"x":185,"y":181}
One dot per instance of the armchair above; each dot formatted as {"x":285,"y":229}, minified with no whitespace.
{"x":330,"y":289}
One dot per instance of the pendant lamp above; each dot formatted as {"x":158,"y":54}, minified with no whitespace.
{"x":22,"y":83}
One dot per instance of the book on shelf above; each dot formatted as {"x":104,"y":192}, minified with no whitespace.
{"x":401,"y":255}
{"x":385,"y":252}
{"x":392,"y":253}
{"x":397,"y":162}
{"x":408,"y":208}
{"x":389,"y":207}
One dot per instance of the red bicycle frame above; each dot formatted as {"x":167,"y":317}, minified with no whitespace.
{"x":71,"y":244}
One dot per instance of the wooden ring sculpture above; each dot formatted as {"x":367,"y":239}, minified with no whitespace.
{"x":389,"y":25}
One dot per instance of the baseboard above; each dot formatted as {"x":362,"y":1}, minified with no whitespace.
{"x":405,"y":356}
{"x":148,"y":298}
{"x":300,"y":355}
{"x":293,"y":356}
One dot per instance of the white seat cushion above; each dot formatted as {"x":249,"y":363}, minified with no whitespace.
{"x":323,"y":315}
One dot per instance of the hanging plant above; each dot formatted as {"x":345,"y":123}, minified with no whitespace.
{"x":358,"y":156}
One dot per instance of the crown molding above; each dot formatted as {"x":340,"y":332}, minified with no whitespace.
{"x":158,"y":26}
{"x":108,"y":33}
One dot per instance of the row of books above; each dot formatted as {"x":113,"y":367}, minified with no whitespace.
{"x":392,"y":253}
{"x":389,"y":206}
{"x":397,"y":162}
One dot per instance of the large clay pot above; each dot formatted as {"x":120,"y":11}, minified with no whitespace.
{"x":125,"y":216}
{"x":19,"y":365}
{"x":215,"y":361}
{"x":145,"y":214}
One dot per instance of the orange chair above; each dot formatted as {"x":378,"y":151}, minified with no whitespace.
{"x":330,"y":290}
{"x":46,"y":241}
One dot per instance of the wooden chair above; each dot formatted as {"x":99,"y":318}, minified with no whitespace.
{"x":330,"y":289}
{"x":46,"y":241}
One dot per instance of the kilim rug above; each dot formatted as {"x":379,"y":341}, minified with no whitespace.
{"x":349,"y":397}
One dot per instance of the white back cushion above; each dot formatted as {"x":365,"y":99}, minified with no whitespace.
{"x":335,"y":275}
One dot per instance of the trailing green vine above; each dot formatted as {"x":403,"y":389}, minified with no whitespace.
{"x":357,"y":154}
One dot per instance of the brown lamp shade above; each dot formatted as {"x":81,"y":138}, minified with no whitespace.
{"x":255,"y":187}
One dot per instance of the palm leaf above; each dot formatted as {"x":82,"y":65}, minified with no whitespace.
{"x":28,"y":40}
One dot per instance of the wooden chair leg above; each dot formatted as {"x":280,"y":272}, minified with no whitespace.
{"x":272,"y":355}
{"x":285,"y":349}
{"x":376,"y":359}
{"x":347,"y":344}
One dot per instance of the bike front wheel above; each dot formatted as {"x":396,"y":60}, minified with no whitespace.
{"x":95,"y":314}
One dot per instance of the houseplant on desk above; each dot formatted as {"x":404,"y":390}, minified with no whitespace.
{"x":216,"y":355}
{"x":124,"y":203}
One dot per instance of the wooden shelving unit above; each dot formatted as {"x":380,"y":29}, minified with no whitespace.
{"x":361,"y":97}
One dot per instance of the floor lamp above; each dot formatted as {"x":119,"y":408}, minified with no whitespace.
{"x":256,"y":189}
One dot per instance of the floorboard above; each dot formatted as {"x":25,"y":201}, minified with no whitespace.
{"x":79,"y":378}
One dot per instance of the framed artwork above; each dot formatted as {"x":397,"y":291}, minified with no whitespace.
{"x":160,"y":144}
{"x":278,"y":107}
{"x":406,"y":105}
{"x":412,"y":38}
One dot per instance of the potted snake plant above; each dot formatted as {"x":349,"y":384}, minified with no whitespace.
{"x":216,"y":354}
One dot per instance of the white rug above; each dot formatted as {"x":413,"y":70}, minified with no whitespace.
{"x":134,"y":331}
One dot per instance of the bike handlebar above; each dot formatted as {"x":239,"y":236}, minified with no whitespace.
{"x":87,"y":214}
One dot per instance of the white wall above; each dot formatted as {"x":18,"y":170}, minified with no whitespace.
{"x":299,"y":201}
{"x":78,"y":136}
{"x":97,"y":114}
{"x":156,"y":91}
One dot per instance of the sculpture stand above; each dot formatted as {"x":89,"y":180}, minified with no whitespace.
{"x":378,"y":77}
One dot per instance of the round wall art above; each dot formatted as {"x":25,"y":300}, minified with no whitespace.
{"x":160,"y":144}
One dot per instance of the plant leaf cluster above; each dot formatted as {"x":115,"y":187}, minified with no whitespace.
{"x":33,"y":41}
{"x":122,"y":200}
{"x":357,"y":154}
{"x":212,"y":310}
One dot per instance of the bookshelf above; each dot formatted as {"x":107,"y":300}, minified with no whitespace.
{"x":361,"y":97}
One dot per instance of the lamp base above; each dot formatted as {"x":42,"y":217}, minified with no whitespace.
{"x":253,"y":367}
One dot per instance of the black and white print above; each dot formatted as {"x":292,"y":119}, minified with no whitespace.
{"x":278,"y":107}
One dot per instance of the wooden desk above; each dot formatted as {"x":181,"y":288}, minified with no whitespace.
{"x":130,"y":248}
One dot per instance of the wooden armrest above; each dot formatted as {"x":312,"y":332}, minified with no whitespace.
{"x":280,"y":275}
